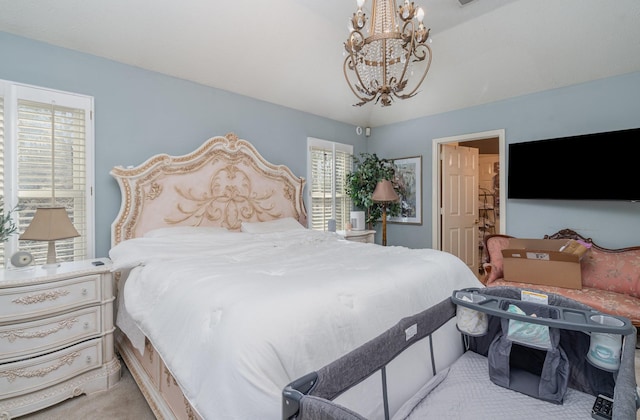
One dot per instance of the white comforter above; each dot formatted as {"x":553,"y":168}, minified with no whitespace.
{"x":237,"y":316}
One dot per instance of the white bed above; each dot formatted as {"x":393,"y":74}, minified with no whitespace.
{"x":214,"y":322}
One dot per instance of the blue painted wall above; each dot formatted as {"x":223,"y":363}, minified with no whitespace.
{"x":140,"y":113}
{"x":603,"y":105}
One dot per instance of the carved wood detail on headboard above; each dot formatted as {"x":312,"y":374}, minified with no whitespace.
{"x":222,"y":183}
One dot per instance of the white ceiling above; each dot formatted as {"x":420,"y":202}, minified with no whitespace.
{"x":290,"y":52}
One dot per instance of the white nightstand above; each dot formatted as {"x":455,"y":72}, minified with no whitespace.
{"x":56,"y":335}
{"x":366,"y":236}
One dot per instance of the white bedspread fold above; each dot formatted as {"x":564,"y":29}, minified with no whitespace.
{"x":237,"y":316}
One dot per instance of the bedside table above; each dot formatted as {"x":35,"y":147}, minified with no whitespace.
{"x":56,"y":335}
{"x":366,"y":236}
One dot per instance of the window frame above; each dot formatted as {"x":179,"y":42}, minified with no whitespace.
{"x":332,"y":146}
{"x":12,"y":92}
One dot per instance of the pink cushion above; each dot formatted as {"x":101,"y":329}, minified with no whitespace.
{"x":602,"y":300}
{"x":495,"y":245}
{"x":616,"y":272}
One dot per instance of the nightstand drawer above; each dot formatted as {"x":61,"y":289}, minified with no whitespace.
{"x":18,"y":341}
{"x":40,"y":372}
{"x":46,"y":299}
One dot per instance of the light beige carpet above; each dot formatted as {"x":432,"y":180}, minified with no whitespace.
{"x":122,"y":402}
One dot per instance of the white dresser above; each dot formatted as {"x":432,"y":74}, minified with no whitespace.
{"x":56,"y":335}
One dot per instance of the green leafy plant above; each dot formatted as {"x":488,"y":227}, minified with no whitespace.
{"x":7,"y":225}
{"x":362,"y":181}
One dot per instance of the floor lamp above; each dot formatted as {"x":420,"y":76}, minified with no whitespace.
{"x":384,"y":194}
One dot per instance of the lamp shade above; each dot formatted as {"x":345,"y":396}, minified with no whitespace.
{"x":50,"y":224}
{"x":384,"y":192}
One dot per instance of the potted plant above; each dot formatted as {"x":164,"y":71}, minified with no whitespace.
{"x":362,"y":181}
{"x":7,"y":225}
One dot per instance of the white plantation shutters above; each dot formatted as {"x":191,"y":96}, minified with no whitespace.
{"x":2,"y":166}
{"x":5,"y":206}
{"x":1,"y":143}
{"x":328,"y":165}
{"x":343,"y":165}
{"x":321,"y":187}
{"x":51,"y":165}
{"x":51,"y":171}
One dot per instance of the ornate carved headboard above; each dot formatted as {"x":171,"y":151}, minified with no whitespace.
{"x":222,"y":183}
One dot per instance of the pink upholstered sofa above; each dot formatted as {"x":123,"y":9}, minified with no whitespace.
{"x":610,"y":277}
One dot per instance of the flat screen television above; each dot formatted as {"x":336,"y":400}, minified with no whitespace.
{"x":599,"y":166}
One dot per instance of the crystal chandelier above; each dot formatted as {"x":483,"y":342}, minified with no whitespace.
{"x":378,"y":66}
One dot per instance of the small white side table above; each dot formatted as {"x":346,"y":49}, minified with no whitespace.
{"x":366,"y":236}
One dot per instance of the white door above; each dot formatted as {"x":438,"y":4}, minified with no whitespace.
{"x":460,"y":203}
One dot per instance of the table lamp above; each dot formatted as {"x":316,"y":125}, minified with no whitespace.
{"x":50,"y":224}
{"x":384,"y":194}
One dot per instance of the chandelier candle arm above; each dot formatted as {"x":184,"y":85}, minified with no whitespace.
{"x":375,"y":67}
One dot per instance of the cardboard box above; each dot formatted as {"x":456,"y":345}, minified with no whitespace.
{"x":542,"y":261}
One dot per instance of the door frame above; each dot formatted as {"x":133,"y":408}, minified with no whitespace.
{"x":436,"y":197}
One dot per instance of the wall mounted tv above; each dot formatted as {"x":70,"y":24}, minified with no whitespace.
{"x":599,"y":166}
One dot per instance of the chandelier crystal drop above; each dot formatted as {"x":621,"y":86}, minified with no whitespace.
{"x":377,"y":66}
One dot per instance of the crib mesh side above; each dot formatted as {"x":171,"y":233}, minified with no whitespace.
{"x":320,"y":409}
{"x":346,"y":372}
{"x":339,"y":376}
{"x":625,"y":398}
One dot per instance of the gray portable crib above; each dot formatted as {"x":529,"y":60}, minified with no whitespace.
{"x":317,"y":395}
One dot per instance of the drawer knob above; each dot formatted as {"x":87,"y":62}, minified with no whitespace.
{"x":89,"y":359}
{"x":86,"y":325}
{"x":84,"y":292}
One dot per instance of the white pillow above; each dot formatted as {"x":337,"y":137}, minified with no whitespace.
{"x":182,"y":230}
{"x":279,"y":225}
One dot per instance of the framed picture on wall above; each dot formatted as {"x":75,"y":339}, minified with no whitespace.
{"x":409,"y":173}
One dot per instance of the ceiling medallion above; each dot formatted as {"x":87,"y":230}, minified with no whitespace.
{"x":378,"y":66}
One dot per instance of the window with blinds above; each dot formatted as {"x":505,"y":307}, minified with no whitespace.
{"x":5,"y":207}
{"x":328,"y":166}
{"x":49,"y":166}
